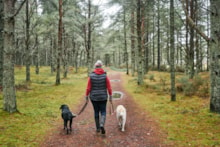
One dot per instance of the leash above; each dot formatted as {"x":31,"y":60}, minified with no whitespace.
{"x":84,"y":106}
{"x":112,"y":108}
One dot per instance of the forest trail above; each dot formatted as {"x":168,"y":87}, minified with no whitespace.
{"x":141,"y":130}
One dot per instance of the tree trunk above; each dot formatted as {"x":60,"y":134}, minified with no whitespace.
{"x":37,"y":69}
{"x":191,"y":49}
{"x":158,"y":36}
{"x":1,"y":41}
{"x":153,"y":46}
{"x":125,"y":41}
{"x":198,"y":50}
{"x":80,"y":58}
{"x":65,"y":56}
{"x":146,"y":42}
{"x":181,"y":54}
{"x":119,"y":57}
{"x":208,"y":34}
{"x":52,"y":46}
{"x":76,"y":61}
{"x":215,"y":56}
{"x":9,"y":95}
{"x":53,"y":51}
{"x":88,"y":49}
{"x":139,"y":41}
{"x":27,"y":53}
{"x":60,"y":31}
{"x":187,"y":59}
{"x":132,"y":44}
{"x":172,"y":52}
{"x":143,"y":35}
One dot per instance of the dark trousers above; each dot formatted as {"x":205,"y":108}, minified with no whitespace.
{"x":99,"y":108}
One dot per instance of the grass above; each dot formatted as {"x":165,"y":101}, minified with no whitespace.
{"x":187,"y":122}
{"x":38,"y":103}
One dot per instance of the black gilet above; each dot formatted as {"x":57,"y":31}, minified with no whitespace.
{"x":98,"y":87}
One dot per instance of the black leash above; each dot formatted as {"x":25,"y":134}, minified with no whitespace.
{"x":84,"y":106}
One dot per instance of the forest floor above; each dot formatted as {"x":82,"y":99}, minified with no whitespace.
{"x":141,"y":129}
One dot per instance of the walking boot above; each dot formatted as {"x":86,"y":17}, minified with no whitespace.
{"x":97,"y":124}
{"x":102,"y":124}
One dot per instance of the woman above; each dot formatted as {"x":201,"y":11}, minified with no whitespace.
{"x":98,"y":89}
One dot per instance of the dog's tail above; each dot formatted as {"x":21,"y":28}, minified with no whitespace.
{"x":73,"y":115}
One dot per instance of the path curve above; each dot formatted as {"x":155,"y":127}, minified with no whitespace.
{"x":141,"y":130}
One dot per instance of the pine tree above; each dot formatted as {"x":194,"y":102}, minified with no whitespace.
{"x":9,"y":95}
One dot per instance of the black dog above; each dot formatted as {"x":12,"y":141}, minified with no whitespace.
{"x":67,"y":116}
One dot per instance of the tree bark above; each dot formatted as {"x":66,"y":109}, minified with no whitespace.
{"x":172,"y":52}
{"x":139,"y":41}
{"x":9,"y":94}
{"x":1,"y":41}
{"x":125,"y":41}
{"x":65,"y":55}
{"x":88,"y":49}
{"x":36,"y":55}
{"x":192,"y":36}
{"x":215,"y":56}
{"x":146,"y":42}
{"x":132,"y":44}
{"x":60,"y":31}
{"x":53,"y":51}
{"x":153,"y":44}
{"x":158,"y":36}
{"x":27,"y":53}
{"x":187,"y":60}
{"x":208,"y":34}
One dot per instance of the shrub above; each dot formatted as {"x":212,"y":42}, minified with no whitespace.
{"x":189,"y":89}
{"x":151,"y":78}
{"x":179,"y":69}
{"x":203,"y":90}
{"x":179,"y":87}
{"x":164,"y":68}
{"x":197,"y":82}
{"x":186,"y":85}
{"x":163,"y":82}
{"x":192,"y":86}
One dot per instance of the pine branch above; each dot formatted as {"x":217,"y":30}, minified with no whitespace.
{"x":19,"y":8}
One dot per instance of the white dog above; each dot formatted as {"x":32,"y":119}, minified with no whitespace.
{"x":121,"y":116}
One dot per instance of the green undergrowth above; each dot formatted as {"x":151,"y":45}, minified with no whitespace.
{"x":187,"y":121}
{"x":38,"y":104}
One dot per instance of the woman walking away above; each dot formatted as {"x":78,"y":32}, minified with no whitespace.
{"x":98,"y":89}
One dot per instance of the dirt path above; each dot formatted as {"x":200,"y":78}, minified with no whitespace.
{"x":141,"y":130}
